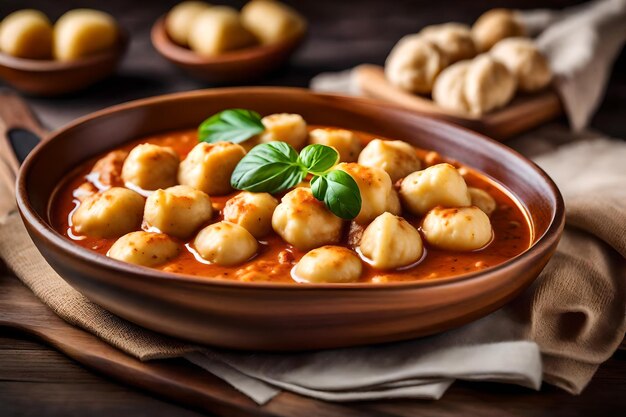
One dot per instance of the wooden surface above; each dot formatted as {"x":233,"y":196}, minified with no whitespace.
{"x":35,"y":380}
{"x":522,"y":114}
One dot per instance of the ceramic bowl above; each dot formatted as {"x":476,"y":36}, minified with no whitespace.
{"x":54,"y":78}
{"x":280,"y":316}
{"x":236,"y":66}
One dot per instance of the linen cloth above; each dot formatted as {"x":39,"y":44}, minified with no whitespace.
{"x":559,"y":331}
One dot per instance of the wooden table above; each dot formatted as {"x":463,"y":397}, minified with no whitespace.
{"x":38,"y":381}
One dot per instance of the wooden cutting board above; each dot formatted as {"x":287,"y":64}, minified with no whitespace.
{"x":524,"y":113}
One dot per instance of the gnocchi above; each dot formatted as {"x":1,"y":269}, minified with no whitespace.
{"x":26,"y":34}
{"x":144,"y":248}
{"x":178,"y":211}
{"x":253,"y":211}
{"x":483,"y":200}
{"x":225,"y":243}
{"x":150,"y":167}
{"x":396,"y":157}
{"x":285,"y":127}
{"x":180,"y":19}
{"x":303,"y":221}
{"x":271,"y":21}
{"x":391,"y":242}
{"x":209,"y":166}
{"x":216,"y":30}
{"x":109,"y":213}
{"x":377,"y":194}
{"x":83,"y":32}
{"x":438,"y":185}
{"x":462,"y":229}
{"x":345,"y":142}
{"x":328,"y":264}
{"x":109,"y":168}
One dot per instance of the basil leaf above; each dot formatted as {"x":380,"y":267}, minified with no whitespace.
{"x":339,"y":192}
{"x":232,"y":125}
{"x":269,"y":167}
{"x":318,"y":158}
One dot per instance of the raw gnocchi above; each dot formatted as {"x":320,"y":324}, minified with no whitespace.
{"x":462,"y":229}
{"x":253,"y":211}
{"x":396,"y":157}
{"x":328,"y":264}
{"x":150,"y":167}
{"x":144,"y":248}
{"x":225,"y":243}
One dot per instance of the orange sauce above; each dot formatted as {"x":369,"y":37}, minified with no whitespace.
{"x":276,"y":258}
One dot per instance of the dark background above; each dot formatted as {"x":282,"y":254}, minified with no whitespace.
{"x":37,"y":381}
{"x":342,"y":34}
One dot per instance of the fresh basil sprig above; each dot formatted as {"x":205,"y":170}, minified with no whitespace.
{"x":274,"y":167}
{"x":232,"y":125}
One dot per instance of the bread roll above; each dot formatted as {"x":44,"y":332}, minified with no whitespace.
{"x":495,"y":25}
{"x":26,"y":34}
{"x":454,"y":39}
{"x":216,"y":30}
{"x":83,"y":32}
{"x":272,"y":21}
{"x":522,"y":57}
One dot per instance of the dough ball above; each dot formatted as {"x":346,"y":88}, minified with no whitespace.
{"x":151,"y":167}
{"x":414,"y":63}
{"x":83,"y":32}
{"x":495,"y":25}
{"x":225,"y":243}
{"x":396,"y":157}
{"x":346,"y":142}
{"x":304,"y":222}
{"x":108,"y":169}
{"x":391,"y":242}
{"x":217,"y":30}
{"x":285,"y":127}
{"x":177,"y":211}
{"x":438,"y":185}
{"x":524,"y":60}
{"x":462,"y":229}
{"x":110,"y":213}
{"x":489,"y":85}
{"x":180,"y":18}
{"x":26,"y":34}
{"x":272,"y":21}
{"x":377,"y":194}
{"x":449,"y":88}
{"x":328,"y":264}
{"x":253,"y":211}
{"x":144,"y":248}
{"x":454,"y":39}
{"x":209,"y":166}
{"x":483,"y":200}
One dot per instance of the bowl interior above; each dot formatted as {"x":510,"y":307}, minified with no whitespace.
{"x":46,"y":167}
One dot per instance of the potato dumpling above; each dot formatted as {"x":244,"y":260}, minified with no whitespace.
{"x":253,"y":211}
{"x":83,"y":32}
{"x":414,"y":63}
{"x":449,"y":88}
{"x":271,"y":21}
{"x":495,"y":25}
{"x":110,"y":213}
{"x":26,"y":34}
{"x":303,"y":221}
{"x":225,"y":243}
{"x":328,"y":264}
{"x":109,"y":168}
{"x":217,"y":30}
{"x":462,"y":228}
{"x":524,"y":60}
{"x":391,"y":242}
{"x":285,"y":127}
{"x":180,"y":18}
{"x":482,"y":199}
{"x":377,"y":194}
{"x":144,"y":248}
{"x":209,"y":166}
{"x":396,"y":157}
{"x":151,"y":166}
{"x":438,"y":185}
{"x":454,"y":39}
{"x":178,"y":211}
{"x":489,"y":85}
{"x":345,"y":142}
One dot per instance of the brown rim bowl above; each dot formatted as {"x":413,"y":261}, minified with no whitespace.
{"x":241,"y":65}
{"x":280,"y":316}
{"x":49,"y":78}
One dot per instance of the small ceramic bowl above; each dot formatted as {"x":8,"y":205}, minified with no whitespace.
{"x":54,"y":78}
{"x":242,"y":65}
{"x":283,"y":316}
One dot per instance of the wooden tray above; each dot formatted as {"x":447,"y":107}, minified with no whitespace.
{"x":522,"y":114}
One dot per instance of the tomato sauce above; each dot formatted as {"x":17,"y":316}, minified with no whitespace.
{"x":276,"y":258}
